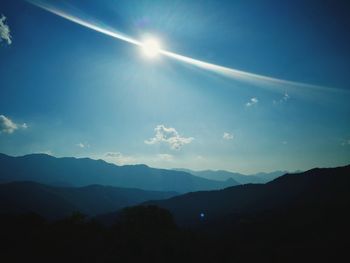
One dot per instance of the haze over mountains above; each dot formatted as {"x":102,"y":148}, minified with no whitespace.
{"x":57,"y":187}
{"x":47,"y":169}
{"x":255,"y":221}
{"x":223,"y":175}
{"x":97,"y":188}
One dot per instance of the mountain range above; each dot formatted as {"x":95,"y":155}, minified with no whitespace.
{"x":93,"y":191}
{"x":79,"y":172}
{"x":300,"y":217}
{"x":222,"y":175}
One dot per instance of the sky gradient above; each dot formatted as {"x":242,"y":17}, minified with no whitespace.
{"x":70,"y":91}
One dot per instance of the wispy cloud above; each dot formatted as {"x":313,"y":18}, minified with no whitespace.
{"x":285,"y":98}
{"x":199,"y":157}
{"x":227,"y":136}
{"x":83,"y":145}
{"x":5,"y":31}
{"x":8,"y":126}
{"x":251,"y":102}
{"x":119,"y":158}
{"x":169,"y":136}
{"x":165,"y":157}
{"x":113,"y":154}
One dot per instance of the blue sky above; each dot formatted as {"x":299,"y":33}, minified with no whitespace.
{"x":71,"y":91}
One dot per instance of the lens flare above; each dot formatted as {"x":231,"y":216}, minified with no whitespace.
{"x":152,"y":48}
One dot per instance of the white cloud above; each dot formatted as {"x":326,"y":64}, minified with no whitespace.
{"x":252,"y":102}
{"x":119,"y":158}
{"x":4,"y":31}
{"x":169,"y":136}
{"x":285,"y":98}
{"x":227,"y":136}
{"x":83,"y":145}
{"x":8,"y":126}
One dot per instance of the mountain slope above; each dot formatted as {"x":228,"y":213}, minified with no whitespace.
{"x":317,"y":188}
{"x":222,"y":175}
{"x":58,"y":202}
{"x":81,"y":172}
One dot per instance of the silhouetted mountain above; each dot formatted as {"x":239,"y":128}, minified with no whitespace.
{"x":222,"y":175}
{"x":321,"y":188}
{"x":58,"y":202}
{"x":295,"y":218}
{"x":47,"y":169}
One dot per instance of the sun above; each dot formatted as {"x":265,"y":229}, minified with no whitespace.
{"x":151,"y":47}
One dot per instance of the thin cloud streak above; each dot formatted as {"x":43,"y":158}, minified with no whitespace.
{"x":252,"y":78}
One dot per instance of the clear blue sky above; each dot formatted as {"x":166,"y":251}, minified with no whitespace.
{"x":81,"y":93}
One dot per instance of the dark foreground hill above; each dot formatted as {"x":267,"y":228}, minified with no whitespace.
{"x":59,"y":202}
{"x":296,"y":218}
{"x":47,"y":169}
{"x":316,"y":188}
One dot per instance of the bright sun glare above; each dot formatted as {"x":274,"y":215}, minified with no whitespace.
{"x":151,"y":47}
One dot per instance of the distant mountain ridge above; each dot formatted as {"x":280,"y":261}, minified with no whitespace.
{"x":58,"y":202}
{"x":70,"y":171}
{"x":222,"y":175}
